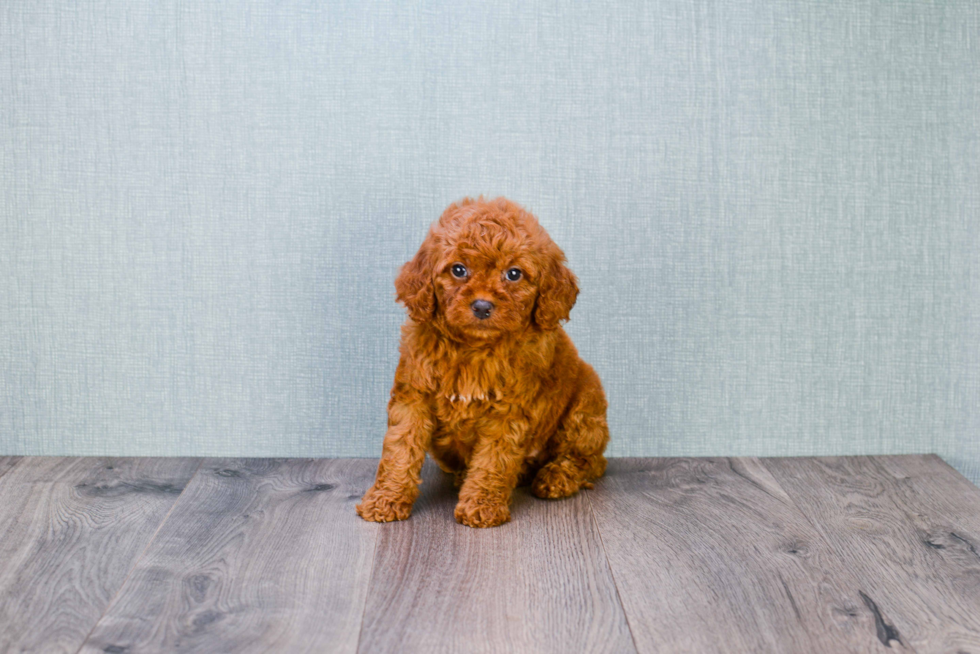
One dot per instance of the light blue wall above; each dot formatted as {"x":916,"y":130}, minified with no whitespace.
{"x":773,"y":208}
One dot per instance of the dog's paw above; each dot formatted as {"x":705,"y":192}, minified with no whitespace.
{"x":378,"y":506}
{"x":554,"y":482}
{"x":476,"y":513}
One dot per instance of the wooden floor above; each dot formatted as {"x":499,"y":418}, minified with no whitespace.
{"x":854,"y":554}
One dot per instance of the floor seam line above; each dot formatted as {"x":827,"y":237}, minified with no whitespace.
{"x":136,"y":563}
{"x":612,"y":575}
{"x":367,"y":595}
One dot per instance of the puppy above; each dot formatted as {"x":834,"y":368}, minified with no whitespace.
{"x":489,"y":384}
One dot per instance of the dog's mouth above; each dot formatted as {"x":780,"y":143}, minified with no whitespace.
{"x":481,"y":327}
{"x":476,"y":328}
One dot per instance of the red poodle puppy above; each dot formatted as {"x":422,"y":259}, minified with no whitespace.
{"x":488,"y":383}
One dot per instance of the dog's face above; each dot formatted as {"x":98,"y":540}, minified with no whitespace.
{"x":485,"y":269}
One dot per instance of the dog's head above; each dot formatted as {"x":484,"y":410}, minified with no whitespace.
{"x":487,"y":268}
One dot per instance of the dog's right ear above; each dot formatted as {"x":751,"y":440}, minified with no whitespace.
{"x":414,"y":285}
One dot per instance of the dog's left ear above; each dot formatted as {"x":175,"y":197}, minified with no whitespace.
{"x":556,"y":294}
{"x":414,"y":287}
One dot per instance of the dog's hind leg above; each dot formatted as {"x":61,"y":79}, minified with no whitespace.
{"x":578,"y":445}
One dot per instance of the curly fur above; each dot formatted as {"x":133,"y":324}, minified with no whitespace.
{"x":497,"y":402}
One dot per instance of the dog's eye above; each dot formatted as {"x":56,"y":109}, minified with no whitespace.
{"x":514,"y":274}
{"x":459,"y":270}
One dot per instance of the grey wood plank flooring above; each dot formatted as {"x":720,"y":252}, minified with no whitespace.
{"x":70,"y":531}
{"x":8,"y":462}
{"x":849,"y":554}
{"x":257,"y":556}
{"x":908,"y":528}
{"x":539,"y":583}
{"x":711,"y":555}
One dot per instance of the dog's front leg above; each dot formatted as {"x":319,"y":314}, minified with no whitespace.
{"x":410,"y":426}
{"x":484,"y":499}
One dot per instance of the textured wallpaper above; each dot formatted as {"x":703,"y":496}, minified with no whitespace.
{"x":773,"y":209}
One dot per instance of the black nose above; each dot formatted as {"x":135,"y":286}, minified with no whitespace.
{"x":482,"y":309}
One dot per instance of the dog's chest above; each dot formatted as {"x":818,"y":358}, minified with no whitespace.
{"x":472,"y":386}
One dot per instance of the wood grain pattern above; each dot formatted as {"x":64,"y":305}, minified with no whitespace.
{"x":849,"y":554}
{"x":539,"y":583}
{"x":257,"y":556}
{"x":70,"y":531}
{"x":710,"y":555}
{"x":909,"y":530}
{"x":8,"y":462}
